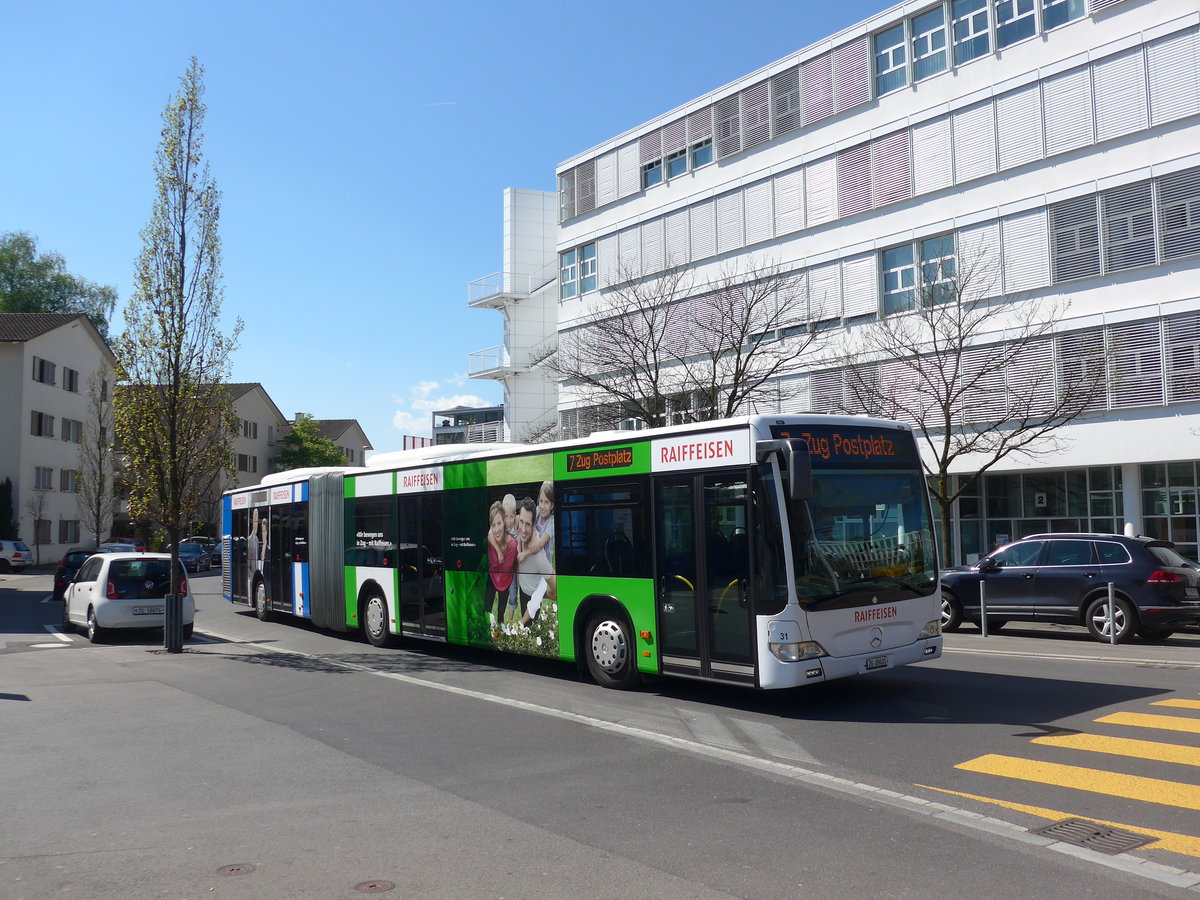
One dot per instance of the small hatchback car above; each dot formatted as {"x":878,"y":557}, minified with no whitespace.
{"x":14,"y":556}
{"x":1064,"y":578}
{"x":124,"y":590}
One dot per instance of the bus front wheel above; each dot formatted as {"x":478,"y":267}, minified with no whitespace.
{"x":375,"y":621}
{"x":611,"y":650}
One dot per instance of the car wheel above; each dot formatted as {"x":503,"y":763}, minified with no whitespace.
{"x":95,"y":633}
{"x":375,"y":620}
{"x":1155,"y":634}
{"x":951,"y":612}
{"x":67,"y":627}
{"x":187,"y":631}
{"x":260,"y":602}
{"x":4,"y":567}
{"x":1098,"y":624}
{"x":610,"y":651}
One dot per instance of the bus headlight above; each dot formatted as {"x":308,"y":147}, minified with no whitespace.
{"x":794,"y":651}
{"x":931,"y":629}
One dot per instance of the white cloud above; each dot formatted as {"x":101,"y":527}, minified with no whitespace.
{"x":412,"y":416}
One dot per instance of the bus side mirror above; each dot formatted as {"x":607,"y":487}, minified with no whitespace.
{"x":794,"y":462}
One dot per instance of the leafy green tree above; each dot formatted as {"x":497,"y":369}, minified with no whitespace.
{"x":173,"y":413}
{"x":304,"y":446}
{"x":97,"y":495}
{"x":32,"y":282}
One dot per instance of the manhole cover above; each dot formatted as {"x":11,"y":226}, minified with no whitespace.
{"x":1092,"y":835}
{"x":236,"y":869}
{"x":374,"y":887}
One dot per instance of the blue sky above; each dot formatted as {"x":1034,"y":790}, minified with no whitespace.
{"x":362,"y":152}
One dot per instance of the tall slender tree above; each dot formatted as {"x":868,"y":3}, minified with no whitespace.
{"x":173,"y":415}
{"x":97,"y":497}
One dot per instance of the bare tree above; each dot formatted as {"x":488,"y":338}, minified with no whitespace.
{"x":976,"y":373}
{"x":665,"y":346}
{"x":173,"y":412}
{"x":36,"y":507}
{"x":97,"y":497}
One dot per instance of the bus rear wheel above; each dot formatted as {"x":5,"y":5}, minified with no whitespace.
{"x":611,"y":651}
{"x":375,"y":621}
{"x":261,"y":609}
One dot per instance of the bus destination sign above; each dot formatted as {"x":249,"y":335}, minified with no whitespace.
{"x":600,"y":460}
{"x":853,"y":447}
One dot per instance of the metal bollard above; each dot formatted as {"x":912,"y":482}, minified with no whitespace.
{"x":1112,"y":614}
{"x":982,"y":609}
{"x":173,"y":623}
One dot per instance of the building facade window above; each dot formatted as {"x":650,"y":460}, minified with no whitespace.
{"x":971,"y":29}
{"x":71,"y":381}
{"x":1059,"y":12}
{"x":68,"y":481}
{"x":934,"y":281}
{"x":68,"y":531}
{"x":1015,"y":21}
{"x":43,"y":478}
{"x":577,"y":271}
{"x":891,"y":71}
{"x":677,"y":163}
{"x":72,"y":431}
{"x":702,"y":153}
{"x":939,"y":269}
{"x":249,"y":429}
{"x":43,"y":370}
{"x":652,"y":173}
{"x":1170,"y":509}
{"x":1075,"y":238}
{"x":1128,"y":214}
{"x":899,"y":279}
{"x":41,"y":424}
{"x":247,"y":463}
{"x":1179,"y":213}
{"x":929,"y":43}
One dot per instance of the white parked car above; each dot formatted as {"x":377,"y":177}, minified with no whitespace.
{"x":14,"y":556}
{"x":124,"y":590}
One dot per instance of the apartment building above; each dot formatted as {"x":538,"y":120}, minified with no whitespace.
{"x":1053,"y":141}
{"x":48,"y":364}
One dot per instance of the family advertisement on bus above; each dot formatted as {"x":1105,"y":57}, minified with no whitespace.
{"x":508,"y":565}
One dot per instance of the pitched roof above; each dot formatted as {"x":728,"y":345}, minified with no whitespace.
{"x":332,"y":429}
{"x":20,"y":327}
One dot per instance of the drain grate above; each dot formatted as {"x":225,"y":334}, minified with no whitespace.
{"x":1092,"y":835}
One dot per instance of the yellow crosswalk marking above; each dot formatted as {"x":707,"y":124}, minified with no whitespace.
{"x":1179,"y":704}
{"x":1144,"y":720}
{"x":1185,"y":844}
{"x":1095,"y":743}
{"x":1096,"y":781}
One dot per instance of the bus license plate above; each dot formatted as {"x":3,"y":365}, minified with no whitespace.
{"x":147,"y":610}
{"x":876,"y":662}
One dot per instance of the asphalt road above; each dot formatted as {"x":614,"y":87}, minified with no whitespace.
{"x":313,"y":763}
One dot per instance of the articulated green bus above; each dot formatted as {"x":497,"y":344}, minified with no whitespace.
{"x":767,"y":551}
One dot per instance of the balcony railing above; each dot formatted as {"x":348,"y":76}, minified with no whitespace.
{"x":491,"y":360}
{"x":491,"y":290}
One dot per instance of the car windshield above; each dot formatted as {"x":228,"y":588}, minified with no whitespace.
{"x":140,"y":579}
{"x":20,"y":545}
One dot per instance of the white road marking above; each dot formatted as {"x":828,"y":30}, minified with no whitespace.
{"x":1124,"y":862}
{"x":56,"y":633}
{"x":1065,"y":657}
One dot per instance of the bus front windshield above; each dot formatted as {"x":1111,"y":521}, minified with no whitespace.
{"x":864,"y":535}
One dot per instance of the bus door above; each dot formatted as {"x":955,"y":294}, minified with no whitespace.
{"x":277,"y":556}
{"x":421,"y":586}
{"x":702,"y":524}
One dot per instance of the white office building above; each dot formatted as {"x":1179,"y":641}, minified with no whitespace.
{"x":1058,"y":141}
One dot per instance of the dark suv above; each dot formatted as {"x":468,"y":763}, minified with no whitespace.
{"x":1064,"y":578}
